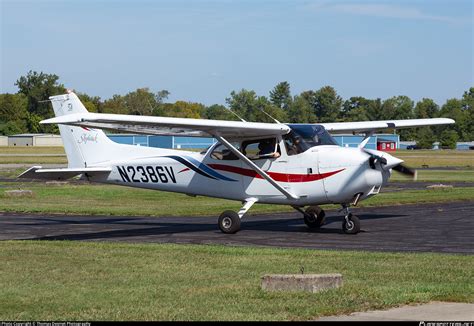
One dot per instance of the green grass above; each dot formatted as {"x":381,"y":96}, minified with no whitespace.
{"x":12,"y":172}
{"x":116,"y":200}
{"x":7,"y":155}
{"x":438,"y":176}
{"x":109,"y":281}
{"x":31,"y":150}
{"x":438,"y":158}
{"x":33,"y":160}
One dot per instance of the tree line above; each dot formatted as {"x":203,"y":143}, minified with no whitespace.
{"x":22,"y":112}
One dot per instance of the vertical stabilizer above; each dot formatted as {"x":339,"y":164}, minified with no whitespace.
{"x":84,"y":146}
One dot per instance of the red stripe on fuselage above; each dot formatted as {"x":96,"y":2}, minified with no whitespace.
{"x":282,"y":177}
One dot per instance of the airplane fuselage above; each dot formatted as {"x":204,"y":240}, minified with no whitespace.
{"x":320,"y":175}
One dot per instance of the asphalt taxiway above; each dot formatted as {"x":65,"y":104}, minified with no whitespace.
{"x":444,"y":227}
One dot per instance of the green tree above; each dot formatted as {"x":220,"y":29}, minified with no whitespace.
{"x":33,"y":123}
{"x":280,"y":96}
{"x":182,"y":109}
{"x":243,"y":103}
{"x":356,"y":109}
{"x":13,"y":127}
{"x":219,"y":112}
{"x":456,"y":109}
{"x":328,"y":104}
{"x":425,"y":138}
{"x":426,"y":108}
{"x":249,"y":106}
{"x":468,"y":105}
{"x":448,"y":139}
{"x":141,"y":101}
{"x":300,"y":111}
{"x":38,"y":87}
{"x":13,"y":107}
{"x":116,"y":105}
{"x":92,"y":103}
{"x":325,"y":102}
{"x":374,"y":109}
{"x":13,"y":114}
{"x":399,"y":108}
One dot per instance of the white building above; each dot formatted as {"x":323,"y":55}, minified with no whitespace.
{"x":35,"y":140}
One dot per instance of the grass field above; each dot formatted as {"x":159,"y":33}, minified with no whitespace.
{"x":115,"y":200}
{"x":11,"y":150}
{"x":108,"y":281}
{"x":438,"y":176}
{"x":438,"y":158}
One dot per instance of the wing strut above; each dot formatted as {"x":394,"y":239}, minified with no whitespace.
{"x":262,"y":173}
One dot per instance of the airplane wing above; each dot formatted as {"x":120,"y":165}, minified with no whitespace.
{"x":36,"y":172}
{"x":229,"y":129}
{"x":171,"y":126}
{"x":373,"y":126}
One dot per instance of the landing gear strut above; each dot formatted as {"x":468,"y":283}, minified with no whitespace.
{"x":351,"y":223}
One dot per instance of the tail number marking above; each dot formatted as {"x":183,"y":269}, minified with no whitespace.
{"x":145,"y":174}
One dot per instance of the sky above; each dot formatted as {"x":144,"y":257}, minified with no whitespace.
{"x":200,"y":51}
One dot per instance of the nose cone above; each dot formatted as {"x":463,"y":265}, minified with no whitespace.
{"x":391,"y":161}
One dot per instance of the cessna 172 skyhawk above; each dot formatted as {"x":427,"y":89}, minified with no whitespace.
{"x":286,"y":164}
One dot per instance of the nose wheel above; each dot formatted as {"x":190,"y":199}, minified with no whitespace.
{"x":351,"y":223}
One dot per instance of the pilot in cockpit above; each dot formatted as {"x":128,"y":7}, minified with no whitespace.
{"x":267,"y":148}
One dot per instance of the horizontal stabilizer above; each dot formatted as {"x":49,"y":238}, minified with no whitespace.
{"x":36,"y":172}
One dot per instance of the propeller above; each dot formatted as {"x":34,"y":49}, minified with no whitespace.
{"x":389,"y":162}
{"x":405,"y":170}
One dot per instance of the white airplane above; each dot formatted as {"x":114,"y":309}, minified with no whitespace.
{"x":285,"y":164}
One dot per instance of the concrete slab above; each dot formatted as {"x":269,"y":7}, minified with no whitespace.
{"x":301,"y":282}
{"x":434,"y":311}
{"x":19,"y":193}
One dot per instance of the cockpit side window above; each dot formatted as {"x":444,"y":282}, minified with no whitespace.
{"x":293,"y":144}
{"x":309,"y":135}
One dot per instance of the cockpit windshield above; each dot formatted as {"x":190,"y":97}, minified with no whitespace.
{"x":309,"y":135}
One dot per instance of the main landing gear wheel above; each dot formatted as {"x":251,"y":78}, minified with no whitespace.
{"x":351,"y":224}
{"x":314,"y":217}
{"x":229,"y":222}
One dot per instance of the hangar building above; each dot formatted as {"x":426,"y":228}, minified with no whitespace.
{"x":35,"y":140}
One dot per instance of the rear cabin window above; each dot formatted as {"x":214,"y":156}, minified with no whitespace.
{"x":220,"y":152}
{"x":261,"y":148}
